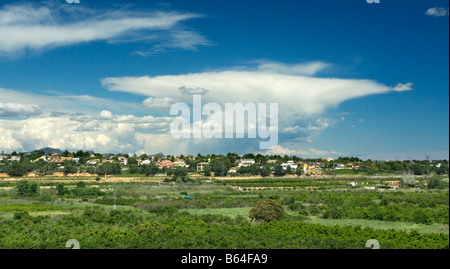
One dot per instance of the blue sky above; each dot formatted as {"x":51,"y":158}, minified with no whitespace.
{"x":359,"y":79}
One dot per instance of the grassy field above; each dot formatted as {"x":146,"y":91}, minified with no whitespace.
{"x":230,"y":212}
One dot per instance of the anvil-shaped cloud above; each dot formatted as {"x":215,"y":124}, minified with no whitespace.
{"x":291,"y":86}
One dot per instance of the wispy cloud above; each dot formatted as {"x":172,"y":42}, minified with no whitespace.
{"x":400,"y":87}
{"x":67,"y":104}
{"x":176,"y":39}
{"x":34,"y":26}
{"x":437,"y":12}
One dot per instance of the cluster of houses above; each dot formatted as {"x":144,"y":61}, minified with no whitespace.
{"x":53,"y":158}
{"x":162,"y":162}
{"x":56,"y":158}
{"x":94,"y":160}
{"x":10,"y":158}
{"x":249,"y":162}
{"x":303,"y":165}
{"x":346,"y":166}
{"x":169,"y":164}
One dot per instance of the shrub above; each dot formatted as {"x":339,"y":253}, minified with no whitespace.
{"x":83,"y":192}
{"x":164,"y":210}
{"x":267,"y":210}
{"x":25,"y":188}
{"x":436,"y":182}
{"x":21,"y":215}
{"x":45,"y":197}
{"x":60,"y":190}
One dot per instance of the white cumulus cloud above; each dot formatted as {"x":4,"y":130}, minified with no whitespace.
{"x":105,"y":115}
{"x":308,"y":152}
{"x":158,"y":103}
{"x":118,"y":134}
{"x":19,"y":110}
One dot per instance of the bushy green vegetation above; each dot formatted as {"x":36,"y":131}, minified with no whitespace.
{"x":425,"y":208}
{"x":287,"y":182}
{"x":155,"y":215}
{"x":97,"y":228}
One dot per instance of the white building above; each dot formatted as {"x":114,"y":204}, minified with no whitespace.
{"x":92,"y":162}
{"x":232,"y":170}
{"x":339,"y":166}
{"x":246,"y":162}
{"x":180,"y":163}
{"x":123,"y":160}
{"x":290,"y":164}
{"x":201,"y":166}
{"x":43,"y":157}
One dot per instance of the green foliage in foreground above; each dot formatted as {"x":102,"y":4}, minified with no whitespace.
{"x":154,"y":217}
{"x":95,"y":228}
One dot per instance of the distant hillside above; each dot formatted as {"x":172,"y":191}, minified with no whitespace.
{"x":51,"y":151}
{"x":60,"y":152}
{"x":157,"y":154}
